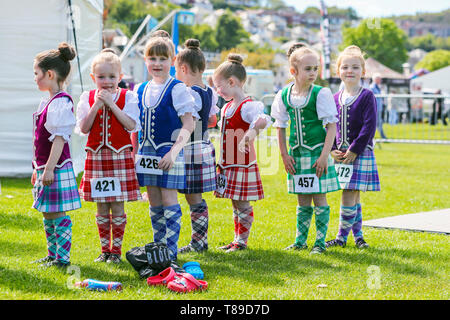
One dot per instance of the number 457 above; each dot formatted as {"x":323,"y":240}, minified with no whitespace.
{"x":306,"y":182}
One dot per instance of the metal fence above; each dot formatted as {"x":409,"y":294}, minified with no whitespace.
{"x":408,"y":118}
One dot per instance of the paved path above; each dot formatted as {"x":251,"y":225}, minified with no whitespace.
{"x":433,"y":221}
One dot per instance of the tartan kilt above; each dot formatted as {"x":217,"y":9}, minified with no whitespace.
{"x":304,"y":160}
{"x":200,"y":165}
{"x":61,"y":196}
{"x":175,"y":178}
{"x":243,"y":184}
{"x":365,"y":173}
{"x":106,"y":163}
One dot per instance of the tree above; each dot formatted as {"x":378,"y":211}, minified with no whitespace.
{"x":229,"y":31}
{"x":381,"y":39}
{"x":429,"y":42}
{"x":434,"y":60}
{"x":256,"y":59}
{"x":203,"y":32}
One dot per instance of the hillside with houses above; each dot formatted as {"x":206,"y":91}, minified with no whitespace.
{"x":269,"y":26}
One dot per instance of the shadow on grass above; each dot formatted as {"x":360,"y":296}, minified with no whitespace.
{"x":17,"y":249}
{"x":21,"y":221}
{"x":400,"y":261}
{"x":264,"y":266}
{"x":30,"y":283}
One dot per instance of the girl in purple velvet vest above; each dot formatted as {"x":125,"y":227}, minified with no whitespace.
{"x":353,"y":148}
{"x":54,"y":183}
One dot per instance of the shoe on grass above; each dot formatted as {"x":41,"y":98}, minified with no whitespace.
{"x":296,"y":247}
{"x":103,"y":257}
{"x":236,"y":247}
{"x":317,"y":250}
{"x":361,"y":244}
{"x":334,"y":242}
{"x":44,"y":260}
{"x":190,"y":248}
{"x":226,"y":247}
{"x":114,"y":258}
{"x":56,"y":263}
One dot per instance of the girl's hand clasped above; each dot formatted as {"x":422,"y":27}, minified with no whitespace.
{"x":106,"y":97}
{"x":349,"y":157}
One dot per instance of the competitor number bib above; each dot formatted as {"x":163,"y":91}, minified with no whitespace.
{"x":344,"y":172}
{"x":221,"y":183}
{"x":148,"y":164}
{"x":105,"y":187}
{"x":306,"y":183}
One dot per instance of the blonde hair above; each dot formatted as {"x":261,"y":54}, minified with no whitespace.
{"x":107,"y":55}
{"x":295,"y":46}
{"x":299,"y":52}
{"x":159,"y":46}
{"x":354,"y":52}
{"x":232,"y":67}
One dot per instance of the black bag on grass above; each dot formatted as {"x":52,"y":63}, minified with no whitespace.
{"x":150,"y":259}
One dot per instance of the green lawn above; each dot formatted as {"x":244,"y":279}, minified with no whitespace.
{"x":398,"y":265}
{"x":416,"y":131}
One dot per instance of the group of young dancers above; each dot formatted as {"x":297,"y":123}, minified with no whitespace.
{"x":157,"y":136}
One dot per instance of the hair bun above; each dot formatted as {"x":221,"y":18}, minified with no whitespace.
{"x":192,"y":44}
{"x":353,"y":49}
{"x":234,"y":57}
{"x":110,"y":50}
{"x":294,"y":47}
{"x":66,"y":51}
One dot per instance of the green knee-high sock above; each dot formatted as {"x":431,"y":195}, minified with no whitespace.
{"x":304,"y":215}
{"x":322,"y":219}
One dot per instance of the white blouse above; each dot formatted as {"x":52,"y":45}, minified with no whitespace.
{"x":251,"y":111}
{"x":198,"y":102}
{"x":325,"y":106}
{"x":131,"y":109}
{"x":183,"y":102}
{"x":60,"y":117}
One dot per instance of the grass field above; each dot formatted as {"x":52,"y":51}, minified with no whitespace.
{"x":416,"y":131}
{"x":398,"y":265}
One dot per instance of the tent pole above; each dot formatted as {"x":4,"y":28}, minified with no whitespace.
{"x":76,"y":45}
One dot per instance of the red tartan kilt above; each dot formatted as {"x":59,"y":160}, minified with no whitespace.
{"x":243,"y":184}
{"x":107,"y":163}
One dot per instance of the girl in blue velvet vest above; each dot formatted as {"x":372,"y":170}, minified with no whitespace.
{"x":199,"y":153}
{"x":166,"y":115}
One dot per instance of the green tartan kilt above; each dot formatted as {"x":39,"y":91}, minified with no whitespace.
{"x":304,"y":160}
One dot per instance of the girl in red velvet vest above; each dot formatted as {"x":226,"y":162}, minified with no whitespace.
{"x":108,"y":115}
{"x":54,"y":183}
{"x":238,"y":175}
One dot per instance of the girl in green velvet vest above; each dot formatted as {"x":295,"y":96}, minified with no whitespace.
{"x":310,"y":113}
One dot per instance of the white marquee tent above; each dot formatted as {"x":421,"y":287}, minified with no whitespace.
{"x":27,"y":28}
{"x":438,"y":79}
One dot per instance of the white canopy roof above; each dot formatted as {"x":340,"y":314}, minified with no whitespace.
{"x":438,"y":79}
{"x":27,"y":28}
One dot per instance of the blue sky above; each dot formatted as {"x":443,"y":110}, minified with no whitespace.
{"x":377,"y":8}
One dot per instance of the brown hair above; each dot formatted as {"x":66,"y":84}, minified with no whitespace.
{"x":57,"y":60}
{"x":232,"y":67}
{"x":160,"y":33}
{"x":159,"y":46}
{"x":351,"y":51}
{"x":192,"y":56}
{"x":107,"y":55}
